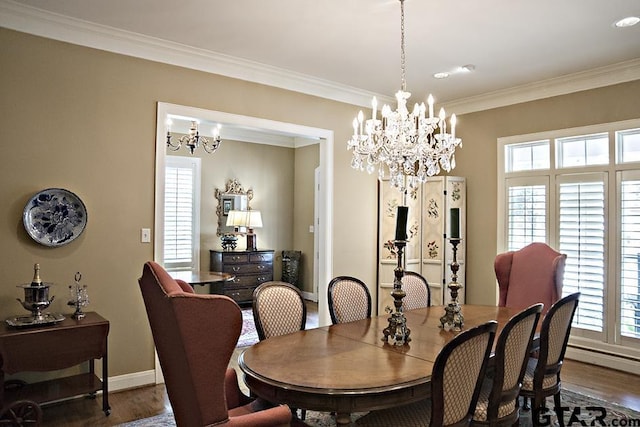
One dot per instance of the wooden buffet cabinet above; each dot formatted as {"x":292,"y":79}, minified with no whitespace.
{"x":47,"y":348}
{"x":250,"y":269}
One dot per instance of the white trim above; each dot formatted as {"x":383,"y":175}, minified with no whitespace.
{"x":132,"y":380}
{"x":598,"y":77}
{"x":35,"y":21}
{"x":610,"y":361}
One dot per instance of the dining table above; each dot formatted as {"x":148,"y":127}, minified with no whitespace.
{"x":347,"y":367}
{"x":215,"y":279}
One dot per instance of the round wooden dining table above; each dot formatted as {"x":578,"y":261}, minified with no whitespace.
{"x":347,"y":368}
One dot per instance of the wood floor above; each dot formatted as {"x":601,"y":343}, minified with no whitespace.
{"x":603,"y":383}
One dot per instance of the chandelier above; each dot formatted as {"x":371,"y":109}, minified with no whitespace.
{"x":410,"y":146}
{"x":193,"y":139}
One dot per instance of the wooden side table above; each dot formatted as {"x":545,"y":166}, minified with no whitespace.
{"x":48,"y":348}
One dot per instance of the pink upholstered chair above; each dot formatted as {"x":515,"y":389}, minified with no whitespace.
{"x":195,"y":336}
{"x":530,"y":275}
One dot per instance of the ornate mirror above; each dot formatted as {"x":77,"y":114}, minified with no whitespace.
{"x":232,"y":198}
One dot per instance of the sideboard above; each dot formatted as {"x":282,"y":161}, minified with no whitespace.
{"x":250,"y":268}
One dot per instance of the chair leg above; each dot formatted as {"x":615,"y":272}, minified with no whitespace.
{"x":559,"y":413}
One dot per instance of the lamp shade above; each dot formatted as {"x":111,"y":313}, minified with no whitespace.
{"x":254,"y":219}
{"x":237,"y":219}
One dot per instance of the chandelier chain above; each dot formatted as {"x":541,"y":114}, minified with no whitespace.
{"x":402,"y":48}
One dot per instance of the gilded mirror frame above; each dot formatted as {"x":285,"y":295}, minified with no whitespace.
{"x":233,"y":197}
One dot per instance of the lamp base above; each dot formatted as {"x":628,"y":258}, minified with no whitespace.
{"x":251,"y":241}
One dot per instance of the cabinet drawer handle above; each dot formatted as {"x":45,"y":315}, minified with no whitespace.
{"x":235,"y":269}
{"x":261,"y":267}
{"x":235,"y":258}
{"x":262,"y":257}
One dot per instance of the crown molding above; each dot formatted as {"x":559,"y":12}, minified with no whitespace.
{"x":598,"y":77}
{"x":41,"y":23}
{"x":35,"y":21}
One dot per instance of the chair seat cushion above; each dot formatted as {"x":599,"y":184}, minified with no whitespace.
{"x":527,"y":382}
{"x":416,"y":414}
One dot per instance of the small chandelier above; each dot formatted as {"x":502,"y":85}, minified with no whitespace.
{"x":410,"y":146}
{"x":193,"y":139}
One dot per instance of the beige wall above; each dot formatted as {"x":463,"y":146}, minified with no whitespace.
{"x":85,"y":120}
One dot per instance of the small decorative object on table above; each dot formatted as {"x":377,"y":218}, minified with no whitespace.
{"x":397,"y":329}
{"x":36,"y":299}
{"x":453,"y":318}
{"x":79,"y":297}
{"x":229,"y":242}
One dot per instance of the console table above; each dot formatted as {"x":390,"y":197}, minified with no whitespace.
{"x":52,"y":347}
{"x":250,"y":269}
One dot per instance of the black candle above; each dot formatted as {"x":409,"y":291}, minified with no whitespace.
{"x":401,"y":223}
{"x":455,"y":223}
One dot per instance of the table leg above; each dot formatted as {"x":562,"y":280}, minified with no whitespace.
{"x":343,"y":418}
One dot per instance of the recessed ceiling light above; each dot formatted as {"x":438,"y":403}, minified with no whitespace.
{"x":441,"y":75}
{"x":629,"y":21}
{"x":466,"y":68}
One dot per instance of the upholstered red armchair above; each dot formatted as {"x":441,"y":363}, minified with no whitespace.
{"x":195,"y":336}
{"x":530,"y":275}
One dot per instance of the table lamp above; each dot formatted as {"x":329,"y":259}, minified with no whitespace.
{"x":254,"y":220}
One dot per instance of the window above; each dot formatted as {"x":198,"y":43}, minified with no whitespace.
{"x":564,"y":189}
{"x":581,"y":238}
{"x":630,"y":254}
{"x":181,"y":213}
{"x":527,"y":215}
{"x":628,"y":146}
{"x":529,"y":156}
{"x":583,"y":150}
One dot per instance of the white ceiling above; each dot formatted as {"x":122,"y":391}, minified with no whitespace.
{"x":354,"y":45}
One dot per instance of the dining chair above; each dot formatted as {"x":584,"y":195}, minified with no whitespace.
{"x":530,"y":275}
{"x":349,"y":299}
{"x":455,"y":385}
{"x":498,"y":401}
{"x":542,"y":374}
{"x":417,"y":289}
{"x":278,"y":309}
{"x":201,"y":387}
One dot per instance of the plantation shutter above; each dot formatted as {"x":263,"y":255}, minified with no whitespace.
{"x":630,"y":258}
{"x":180,"y":239}
{"x":582,"y":239}
{"x":527,"y":215}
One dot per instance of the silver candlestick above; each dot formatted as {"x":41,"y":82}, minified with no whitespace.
{"x":397,"y":329}
{"x":79,"y":297}
{"x":453,"y":318}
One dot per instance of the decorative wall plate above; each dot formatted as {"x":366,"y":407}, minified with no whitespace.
{"x":54,"y":217}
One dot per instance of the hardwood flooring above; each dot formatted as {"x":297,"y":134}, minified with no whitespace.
{"x":128,"y":405}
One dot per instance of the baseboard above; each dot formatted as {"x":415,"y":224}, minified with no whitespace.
{"x":136,"y":379}
{"x":310,"y":296}
{"x":606,"y":360}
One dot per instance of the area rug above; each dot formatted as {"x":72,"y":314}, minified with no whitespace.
{"x":249,"y":335}
{"x":579,"y":410}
